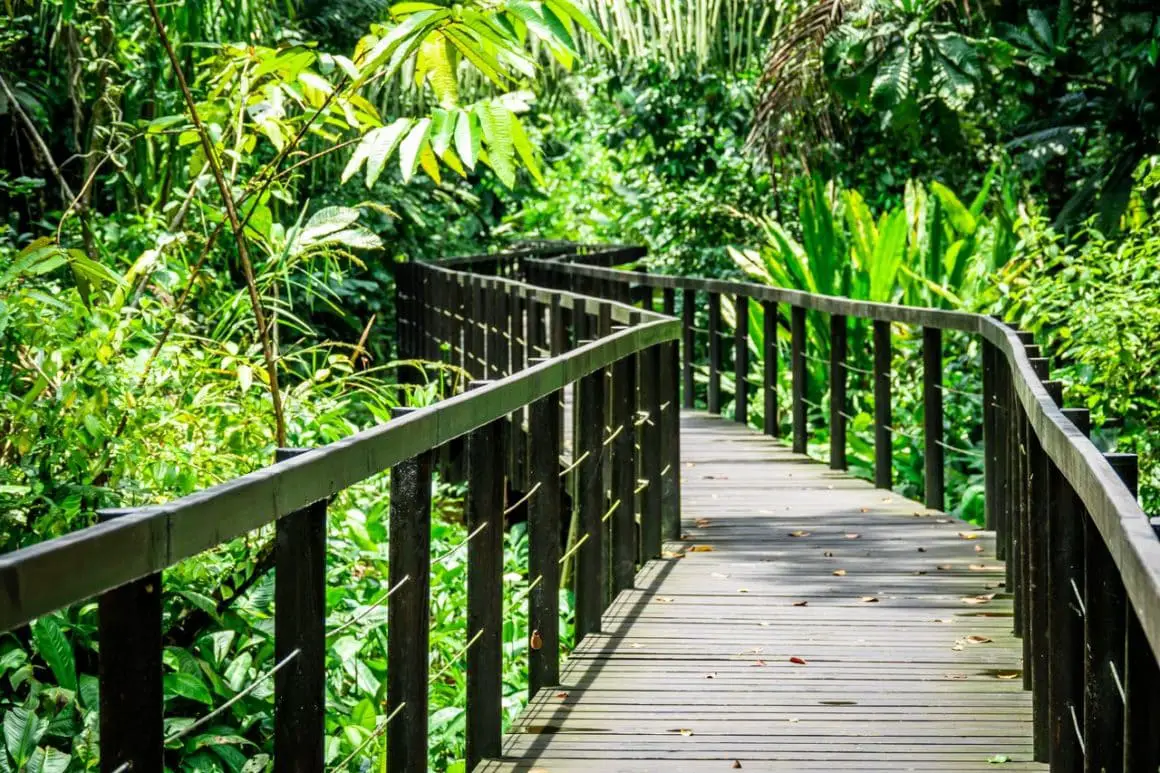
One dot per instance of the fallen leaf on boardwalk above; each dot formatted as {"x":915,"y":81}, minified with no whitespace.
{"x":828,"y":554}
{"x":701,"y":549}
{"x":998,"y":759}
{"x":800,"y":603}
{"x":798,"y":661}
{"x":799,"y":534}
{"x":968,"y":535}
{"x":839,"y":572}
{"x":686,"y":536}
{"x":944,"y":567}
{"x":561,"y":695}
{"x":636,"y":645}
{"x":682,"y":731}
{"x":941,"y":620}
{"x":853,"y":536}
{"x":671,"y":554}
{"x":663,"y":600}
{"x":743,"y":590}
{"x":736,"y":763}
{"x":711,"y":676}
{"x":941,"y":520}
{"x":690,"y":464}
{"x":978,"y":548}
{"x":957,"y":648}
{"x":922,"y":550}
{"x":978,"y":639}
{"x":758,"y":663}
{"x":981,"y":599}
{"x":869,"y":600}
{"x":954,"y":676}
{"x":983,"y":568}
{"x":1009,"y":675}
{"x":920,"y":571}
{"x":764,"y":623}
{"x":702,"y":523}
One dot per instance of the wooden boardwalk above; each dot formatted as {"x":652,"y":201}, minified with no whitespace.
{"x":812,"y":622}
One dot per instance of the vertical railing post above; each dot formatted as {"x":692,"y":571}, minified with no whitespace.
{"x":623,"y":483}
{"x":714,"y":353}
{"x":838,"y":332}
{"x":800,"y":379}
{"x":544,"y":511}
{"x":670,"y":442}
{"x":990,"y":447}
{"x":932,"y":409}
{"x":1105,"y":632}
{"x":1065,"y":617}
{"x":688,"y":345}
{"x":484,"y":515}
{"x":669,"y":302}
{"x":769,"y":368}
{"x":300,"y":625}
{"x":741,"y":361}
{"x":409,"y":613}
{"x":129,"y":634}
{"x":650,"y":449}
{"x":590,"y":503}
{"x":883,"y":414}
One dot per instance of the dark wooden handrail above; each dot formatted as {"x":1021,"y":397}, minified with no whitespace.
{"x":1083,"y":560}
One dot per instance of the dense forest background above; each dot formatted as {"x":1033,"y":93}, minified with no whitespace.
{"x":201,"y":204}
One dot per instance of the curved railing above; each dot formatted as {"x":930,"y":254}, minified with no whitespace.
{"x":1083,"y":559}
{"x":522,"y":346}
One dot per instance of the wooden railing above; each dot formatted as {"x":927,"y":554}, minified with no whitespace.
{"x":1083,"y":561}
{"x":522,"y":346}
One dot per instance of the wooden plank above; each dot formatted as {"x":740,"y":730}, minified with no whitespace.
{"x":904,"y":660}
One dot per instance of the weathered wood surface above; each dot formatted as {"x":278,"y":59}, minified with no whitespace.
{"x":695,"y":669}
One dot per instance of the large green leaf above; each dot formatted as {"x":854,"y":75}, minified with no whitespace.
{"x":56,"y":651}
{"x":22,"y":730}
{"x":185,"y":685}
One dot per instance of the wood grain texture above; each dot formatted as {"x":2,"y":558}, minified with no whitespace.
{"x":694,"y":666}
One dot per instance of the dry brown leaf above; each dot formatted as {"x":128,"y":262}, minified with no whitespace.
{"x":968,"y":535}
{"x":869,"y":600}
{"x":663,"y":599}
{"x":700,"y":548}
{"x":537,"y":641}
{"x":863,"y":509}
{"x":712,"y":675}
{"x":978,"y":548}
{"x":981,"y":599}
{"x":853,"y":536}
{"x":800,"y":603}
{"x":954,"y":676}
{"x":920,"y":571}
{"x":944,"y":567}
{"x":671,"y":554}
{"x":799,"y":534}
{"x":797,"y":661}
{"x":978,"y":639}
{"x":702,"y":523}
{"x":743,"y":590}
{"x":561,"y":695}
{"x":736,"y":764}
{"x":828,"y":554}
{"x":922,"y":550}
{"x":1009,"y":675}
{"x":839,"y":572}
{"x":681,"y":730}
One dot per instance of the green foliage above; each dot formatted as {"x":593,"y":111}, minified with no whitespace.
{"x":1093,"y":304}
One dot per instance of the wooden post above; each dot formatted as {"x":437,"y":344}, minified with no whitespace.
{"x":129,"y":635}
{"x":409,"y":614}
{"x":838,"y":331}
{"x":990,"y":450}
{"x":669,"y":302}
{"x":484,"y":511}
{"x":932,"y":400}
{"x":670,"y":442}
{"x":650,"y":449}
{"x":300,"y":624}
{"x":624,"y":405}
{"x":883,"y":414}
{"x":1066,"y":638}
{"x":590,"y":503}
{"x":714,"y":353}
{"x":800,"y":383}
{"x":689,"y":345}
{"x":544,"y":513}
{"x":1105,"y":633}
{"x":741,"y":361}
{"x":769,"y":368}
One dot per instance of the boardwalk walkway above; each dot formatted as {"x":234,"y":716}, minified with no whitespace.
{"x":813,"y":623}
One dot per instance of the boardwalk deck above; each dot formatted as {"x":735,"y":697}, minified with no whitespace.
{"x":899,"y":658}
